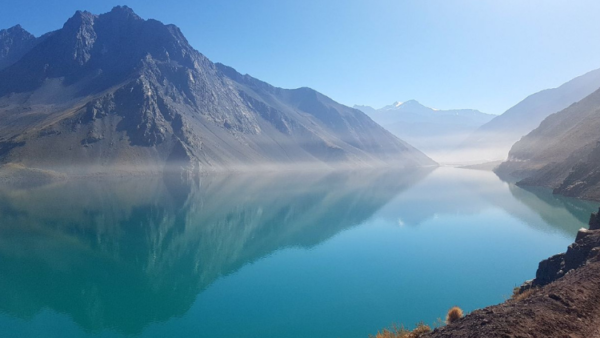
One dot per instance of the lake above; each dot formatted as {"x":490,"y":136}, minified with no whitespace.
{"x":277,"y":255}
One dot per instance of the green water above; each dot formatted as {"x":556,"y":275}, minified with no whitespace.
{"x":289,"y":255}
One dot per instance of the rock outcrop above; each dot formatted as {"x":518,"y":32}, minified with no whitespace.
{"x":586,"y":247}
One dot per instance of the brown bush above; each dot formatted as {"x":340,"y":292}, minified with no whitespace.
{"x":519,"y":296}
{"x":401,"y":332}
{"x":454,"y":314}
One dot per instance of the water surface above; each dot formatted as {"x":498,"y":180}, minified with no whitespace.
{"x":329,"y":255}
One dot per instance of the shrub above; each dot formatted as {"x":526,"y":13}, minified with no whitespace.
{"x":518,"y":295}
{"x":401,"y":332}
{"x":420,"y":330}
{"x":454,"y":314}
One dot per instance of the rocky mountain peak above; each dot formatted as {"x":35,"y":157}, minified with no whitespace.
{"x":14,"y":42}
{"x":125,"y":12}
{"x":16,"y":31}
{"x":80,"y":18}
{"x":412,"y":103}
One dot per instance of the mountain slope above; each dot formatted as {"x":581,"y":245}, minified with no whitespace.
{"x":117,"y":91}
{"x":435,"y":132}
{"x":563,"y":153}
{"x":493,"y":140}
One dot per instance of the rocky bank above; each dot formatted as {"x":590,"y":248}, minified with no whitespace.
{"x":562,"y":301}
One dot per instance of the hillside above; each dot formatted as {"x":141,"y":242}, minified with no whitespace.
{"x":493,"y":140}
{"x":563,"y":153}
{"x":115,"y":91}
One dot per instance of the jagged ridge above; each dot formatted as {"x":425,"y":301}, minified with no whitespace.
{"x":116,"y":90}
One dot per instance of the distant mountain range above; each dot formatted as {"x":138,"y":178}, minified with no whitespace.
{"x":116,"y":91}
{"x":493,"y":140}
{"x":563,"y":153}
{"x":435,"y":132}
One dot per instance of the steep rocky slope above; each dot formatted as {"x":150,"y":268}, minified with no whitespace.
{"x":493,"y":140}
{"x":117,"y":91}
{"x":563,"y":153}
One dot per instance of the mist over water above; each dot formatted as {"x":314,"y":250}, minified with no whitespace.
{"x":287,"y":255}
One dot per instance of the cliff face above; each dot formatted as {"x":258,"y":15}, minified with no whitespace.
{"x":563,"y":153}
{"x":117,"y":91}
{"x":562,"y":301}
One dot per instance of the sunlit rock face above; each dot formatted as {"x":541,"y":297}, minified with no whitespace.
{"x":117,"y":91}
{"x":107,"y":249}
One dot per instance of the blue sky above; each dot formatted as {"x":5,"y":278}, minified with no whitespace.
{"x":482,"y":54}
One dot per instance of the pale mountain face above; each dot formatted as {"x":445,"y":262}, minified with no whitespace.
{"x":493,"y":140}
{"x":115,"y":90}
{"x":563,"y":153}
{"x":436,"y":132}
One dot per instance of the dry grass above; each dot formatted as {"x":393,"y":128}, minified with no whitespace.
{"x":454,"y":314}
{"x":401,"y":332}
{"x":518,"y":296}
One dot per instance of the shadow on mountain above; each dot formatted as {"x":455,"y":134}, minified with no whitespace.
{"x":121,"y":254}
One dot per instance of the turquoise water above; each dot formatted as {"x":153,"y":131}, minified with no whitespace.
{"x":290,"y":255}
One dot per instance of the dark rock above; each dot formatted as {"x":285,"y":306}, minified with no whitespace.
{"x":594,"y":221}
{"x":577,"y":255}
{"x":549,"y":270}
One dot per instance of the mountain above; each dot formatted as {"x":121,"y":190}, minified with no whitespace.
{"x":115,"y":91}
{"x":563,"y":153}
{"x":435,"y":132}
{"x":14,"y":43}
{"x":493,"y":140}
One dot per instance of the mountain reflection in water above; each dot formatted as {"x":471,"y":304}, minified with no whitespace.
{"x":101,"y":250}
{"x":120,"y":255}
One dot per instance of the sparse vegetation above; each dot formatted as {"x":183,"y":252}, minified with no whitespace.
{"x":518,"y":296}
{"x":454,"y":314}
{"x":401,"y":332}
